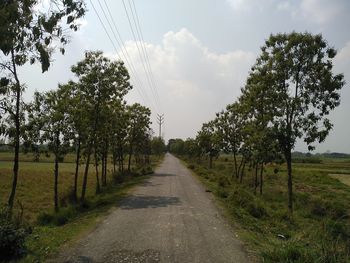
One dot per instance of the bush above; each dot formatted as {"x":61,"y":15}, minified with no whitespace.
{"x":241,"y":197}
{"x":118,"y":177}
{"x":332,"y":208}
{"x":223,"y":181}
{"x":257,"y":210}
{"x":44,"y":218}
{"x":57,"y":218}
{"x":191,"y":166}
{"x":12,"y":236}
{"x":222,"y":193}
{"x":146,"y":170}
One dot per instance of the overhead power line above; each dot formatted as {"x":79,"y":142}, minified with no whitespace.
{"x":127,"y":60}
{"x":143,"y":59}
{"x":145,"y":51}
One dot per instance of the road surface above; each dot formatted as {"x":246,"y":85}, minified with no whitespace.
{"x":170,"y":218}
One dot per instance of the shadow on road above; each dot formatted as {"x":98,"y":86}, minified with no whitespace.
{"x":138,"y":202}
{"x":162,"y":175}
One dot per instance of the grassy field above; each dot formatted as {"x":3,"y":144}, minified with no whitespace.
{"x":35,"y":194}
{"x":318,"y":231}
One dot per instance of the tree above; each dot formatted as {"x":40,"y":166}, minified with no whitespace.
{"x":298,"y":68}
{"x":102,"y":82}
{"x":47,"y":120}
{"x":139,"y":122}
{"x":229,"y":125}
{"x":158,"y":145}
{"x":209,"y":141}
{"x":30,"y":36}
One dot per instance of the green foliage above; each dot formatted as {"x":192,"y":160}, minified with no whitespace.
{"x":318,"y":231}
{"x":12,"y":235}
{"x":59,"y":218}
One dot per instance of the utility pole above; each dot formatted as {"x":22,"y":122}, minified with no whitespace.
{"x":160,"y":120}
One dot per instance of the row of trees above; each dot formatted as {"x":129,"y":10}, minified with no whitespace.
{"x":88,"y":116}
{"x":91,"y":117}
{"x":29,"y":33}
{"x":288,"y":94}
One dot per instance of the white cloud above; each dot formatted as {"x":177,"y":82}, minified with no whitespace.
{"x":237,"y":4}
{"x":314,"y":11}
{"x":320,"y":11}
{"x":194,"y":82}
{"x":343,"y":55}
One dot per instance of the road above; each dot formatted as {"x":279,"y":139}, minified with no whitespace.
{"x":170,"y":218}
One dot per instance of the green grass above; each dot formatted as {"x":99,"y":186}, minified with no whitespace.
{"x":45,"y":241}
{"x":318,"y":231}
{"x":35,"y":194}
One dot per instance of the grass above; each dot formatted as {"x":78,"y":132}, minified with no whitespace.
{"x":344,"y":178}
{"x":318,"y":231}
{"x":35,"y":194}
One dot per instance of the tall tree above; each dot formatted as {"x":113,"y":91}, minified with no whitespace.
{"x":298,"y":68}
{"x":101,"y":82}
{"x":209,"y":141}
{"x":229,"y":125}
{"x":28,"y":35}
{"x":47,"y":120}
{"x":139,"y":122}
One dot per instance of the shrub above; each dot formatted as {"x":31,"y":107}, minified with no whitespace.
{"x":223,"y":181}
{"x":335,"y":209}
{"x":44,"y":218}
{"x":12,"y":236}
{"x":241,"y":197}
{"x":57,"y":218}
{"x":118,"y":178}
{"x":222,"y":193}
{"x":191,"y":166}
{"x":257,"y":210}
{"x":318,"y":207}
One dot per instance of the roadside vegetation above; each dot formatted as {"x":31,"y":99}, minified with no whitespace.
{"x":72,"y":151}
{"x":318,"y":231}
{"x":291,"y":209}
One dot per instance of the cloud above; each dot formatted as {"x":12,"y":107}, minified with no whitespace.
{"x":194,"y":82}
{"x":343,"y":56}
{"x":320,"y":11}
{"x":315,"y":11}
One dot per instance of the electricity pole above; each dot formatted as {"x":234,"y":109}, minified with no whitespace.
{"x":160,"y":120}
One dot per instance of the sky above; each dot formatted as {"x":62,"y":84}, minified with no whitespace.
{"x":200,"y":53}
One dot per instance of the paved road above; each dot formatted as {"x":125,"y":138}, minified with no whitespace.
{"x":170,"y":218}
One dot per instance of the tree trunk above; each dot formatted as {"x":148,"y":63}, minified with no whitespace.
{"x":210,"y":161}
{"x":98,"y":188}
{"x":105,"y":165}
{"x":83,"y":190}
{"x":103,"y":169}
{"x":114,"y":162}
{"x":256,"y":177}
{"x":288,"y":156}
{"x":17,"y":135}
{"x":56,"y":171}
{"x":261,"y":178}
{"x":77,"y":162}
{"x":130,"y":155}
{"x":235,"y":161}
{"x":242,"y":173}
{"x":91,"y":143}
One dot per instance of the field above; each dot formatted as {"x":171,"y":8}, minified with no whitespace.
{"x":318,"y":230}
{"x":35,"y":194}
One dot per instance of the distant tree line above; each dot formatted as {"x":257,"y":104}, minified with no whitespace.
{"x":287,"y":96}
